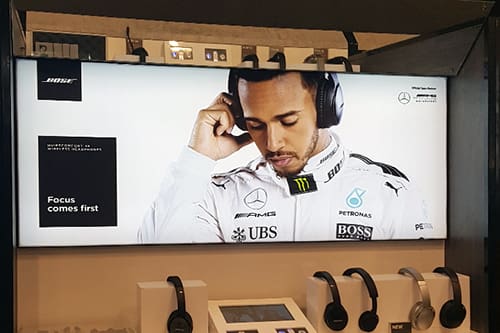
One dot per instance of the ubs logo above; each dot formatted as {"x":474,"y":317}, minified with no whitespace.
{"x":255,"y":233}
{"x":404,"y":97}
{"x":256,"y":199}
{"x":239,"y":235}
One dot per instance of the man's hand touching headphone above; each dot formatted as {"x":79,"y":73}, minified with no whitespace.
{"x":211,"y":135}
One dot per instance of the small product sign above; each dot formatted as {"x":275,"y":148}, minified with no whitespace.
{"x":403,"y":327}
{"x":77,"y":181}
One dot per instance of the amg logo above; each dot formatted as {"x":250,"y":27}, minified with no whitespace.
{"x":62,"y":80}
{"x":422,"y":226}
{"x":266,"y":214}
{"x":354,"y":231}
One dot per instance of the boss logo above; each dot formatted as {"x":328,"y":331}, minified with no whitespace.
{"x":354,"y":231}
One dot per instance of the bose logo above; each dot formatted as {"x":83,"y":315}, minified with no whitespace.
{"x":61,"y":80}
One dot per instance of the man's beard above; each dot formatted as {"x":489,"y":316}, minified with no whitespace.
{"x":308,"y":153}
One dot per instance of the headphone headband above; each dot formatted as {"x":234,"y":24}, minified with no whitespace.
{"x":179,"y":291}
{"x":422,"y":285}
{"x":455,"y":284}
{"x":331,"y":283}
{"x":370,"y":284}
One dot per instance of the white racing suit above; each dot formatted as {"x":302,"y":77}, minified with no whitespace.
{"x":338,"y":196}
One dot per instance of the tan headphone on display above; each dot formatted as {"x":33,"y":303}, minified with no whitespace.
{"x":422,"y":313}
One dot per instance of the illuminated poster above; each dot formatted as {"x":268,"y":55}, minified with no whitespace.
{"x":170,"y":154}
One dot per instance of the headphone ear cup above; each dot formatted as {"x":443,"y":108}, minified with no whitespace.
{"x":335,"y":316}
{"x":235,"y":107}
{"x":368,"y":321}
{"x":421,"y":316}
{"x":179,"y":322}
{"x":452,"y":314}
{"x":329,"y":102}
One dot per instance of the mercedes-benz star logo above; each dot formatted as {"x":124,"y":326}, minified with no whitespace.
{"x":404,"y":97}
{"x":256,"y":199}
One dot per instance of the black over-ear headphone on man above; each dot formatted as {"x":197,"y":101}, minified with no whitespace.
{"x":335,"y":315}
{"x":368,"y":320}
{"x":452,"y":312}
{"x":329,"y":98}
{"x":180,"y":320}
{"x":422,"y":313}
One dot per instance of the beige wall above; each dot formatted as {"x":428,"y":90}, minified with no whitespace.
{"x":97,"y":286}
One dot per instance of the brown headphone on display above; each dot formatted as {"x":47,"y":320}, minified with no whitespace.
{"x":453,"y":312}
{"x":368,"y":320}
{"x":422,"y":313}
{"x":335,"y":315}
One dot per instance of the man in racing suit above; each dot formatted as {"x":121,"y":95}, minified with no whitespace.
{"x":305,"y":187}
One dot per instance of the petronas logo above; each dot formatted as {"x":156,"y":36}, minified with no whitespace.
{"x":355,"y":198}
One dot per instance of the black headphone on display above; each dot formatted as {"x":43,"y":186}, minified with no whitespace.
{"x":335,"y":315}
{"x":280,"y":58}
{"x":422,"y":313}
{"x":453,"y":312}
{"x":341,"y":61}
{"x":368,"y":320}
{"x":180,"y":320}
{"x":329,"y":99}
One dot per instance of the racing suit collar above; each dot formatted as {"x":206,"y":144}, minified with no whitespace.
{"x":333,"y":153}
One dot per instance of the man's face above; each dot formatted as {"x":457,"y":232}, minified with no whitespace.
{"x":280,"y":116}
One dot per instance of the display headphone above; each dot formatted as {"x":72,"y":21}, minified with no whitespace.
{"x":422,"y":313}
{"x":280,"y":58}
{"x":329,"y":99}
{"x":453,"y":312}
{"x":180,"y":320}
{"x":368,"y":320}
{"x":341,"y":61}
{"x":335,"y":315}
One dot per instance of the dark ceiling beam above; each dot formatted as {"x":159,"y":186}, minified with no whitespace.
{"x":387,"y":16}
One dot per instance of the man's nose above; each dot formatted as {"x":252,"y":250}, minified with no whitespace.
{"x":275,"y":139}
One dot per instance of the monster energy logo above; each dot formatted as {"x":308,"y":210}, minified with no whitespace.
{"x":302,"y":184}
